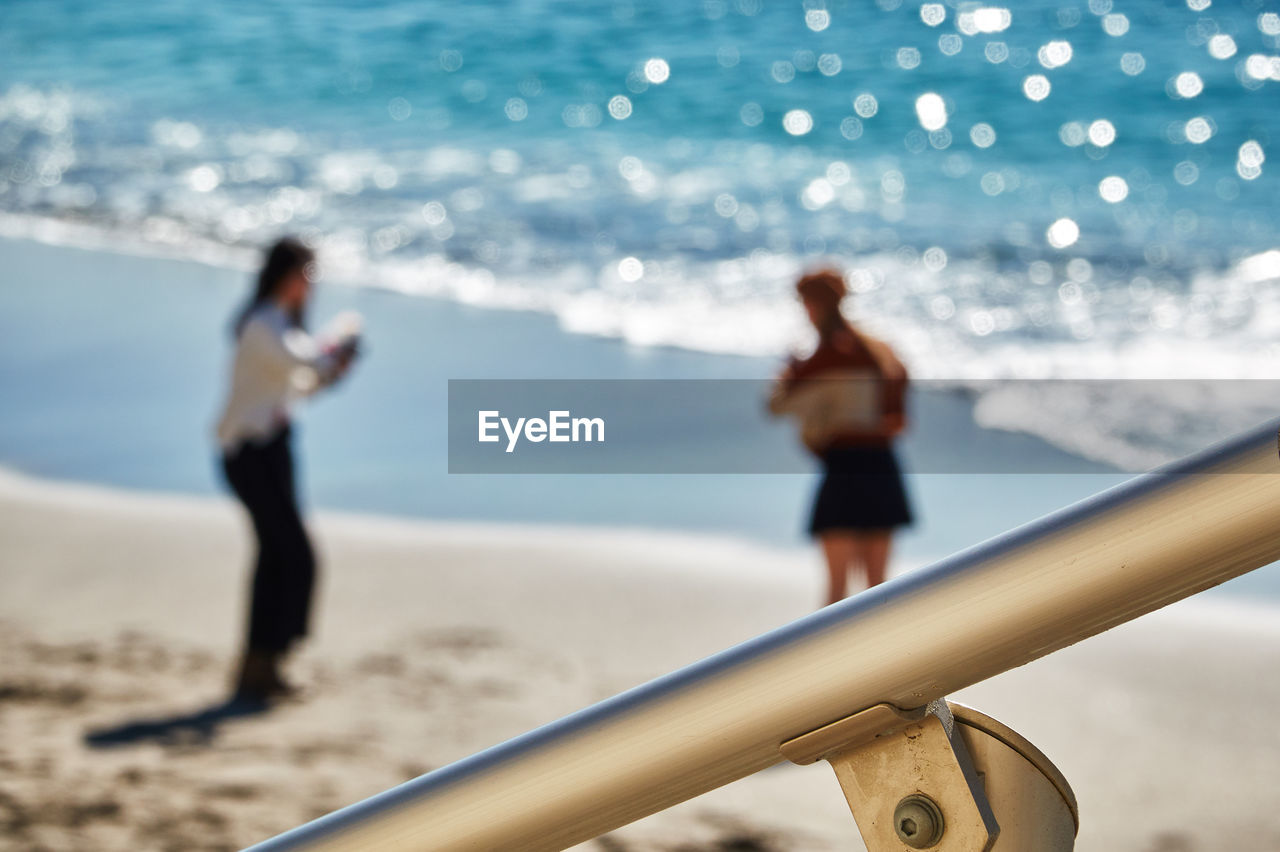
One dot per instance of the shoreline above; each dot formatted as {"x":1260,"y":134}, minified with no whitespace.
{"x":1015,"y":416}
{"x":721,"y":556}
{"x":121,"y":398}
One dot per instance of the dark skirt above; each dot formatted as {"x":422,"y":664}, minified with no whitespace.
{"x":861,"y":490}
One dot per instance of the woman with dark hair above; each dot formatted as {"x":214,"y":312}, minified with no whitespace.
{"x":276,"y":361}
{"x":849,"y":397}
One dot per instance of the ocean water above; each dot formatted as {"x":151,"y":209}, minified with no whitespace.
{"x":1038,"y":190}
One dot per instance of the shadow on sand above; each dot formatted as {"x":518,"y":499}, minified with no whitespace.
{"x":189,"y":729}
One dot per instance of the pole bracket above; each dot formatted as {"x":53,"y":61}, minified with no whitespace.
{"x":942,"y":777}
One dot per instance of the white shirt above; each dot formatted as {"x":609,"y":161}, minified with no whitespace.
{"x":275,"y":363}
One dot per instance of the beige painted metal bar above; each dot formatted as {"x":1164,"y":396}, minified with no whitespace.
{"x":1151,"y":541}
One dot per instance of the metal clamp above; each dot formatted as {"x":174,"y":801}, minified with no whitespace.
{"x":943,"y":777}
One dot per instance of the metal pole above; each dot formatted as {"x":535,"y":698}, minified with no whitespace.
{"x":1146,"y":543}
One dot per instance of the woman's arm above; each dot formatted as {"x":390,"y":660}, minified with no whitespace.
{"x":289,"y":349}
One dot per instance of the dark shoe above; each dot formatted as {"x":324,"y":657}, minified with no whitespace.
{"x":259,"y":679}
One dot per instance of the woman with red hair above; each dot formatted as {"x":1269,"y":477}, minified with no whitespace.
{"x":849,"y":397}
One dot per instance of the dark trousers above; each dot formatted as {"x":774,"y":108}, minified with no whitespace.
{"x":261,"y":474}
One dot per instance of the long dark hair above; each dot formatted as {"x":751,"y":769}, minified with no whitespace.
{"x":286,"y":256}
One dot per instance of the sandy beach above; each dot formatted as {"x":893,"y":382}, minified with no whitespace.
{"x":119,"y":612}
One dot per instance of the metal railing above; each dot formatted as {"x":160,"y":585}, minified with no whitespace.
{"x":1146,"y":543}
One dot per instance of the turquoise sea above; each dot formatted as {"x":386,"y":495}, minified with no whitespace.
{"x":1032,"y":187}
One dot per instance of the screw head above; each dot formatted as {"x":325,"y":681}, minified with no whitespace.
{"x":918,"y":822}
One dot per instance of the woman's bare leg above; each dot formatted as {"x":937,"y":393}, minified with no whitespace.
{"x":840,"y":549}
{"x":874,"y":549}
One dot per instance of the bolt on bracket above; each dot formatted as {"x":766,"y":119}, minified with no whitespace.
{"x":942,"y":777}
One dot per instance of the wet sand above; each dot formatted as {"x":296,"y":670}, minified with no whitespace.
{"x":119,"y":613}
